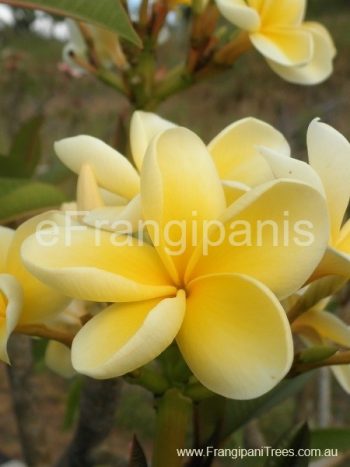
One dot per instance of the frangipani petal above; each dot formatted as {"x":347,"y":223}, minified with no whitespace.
{"x":239,"y":13}
{"x":327,"y":326}
{"x":40,"y":302}
{"x":334,"y":262}
{"x":286,"y":46}
{"x":293,"y":169}
{"x":235,"y":151}
{"x":180,"y":187}
{"x":112,"y":199}
{"x":124,"y":337}
{"x":58,"y":359}
{"x":96,"y":265}
{"x":342,"y":375}
{"x":11,"y":301}
{"x":112,"y":171}
{"x":280,"y":13}
{"x":276,"y":233}
{"x":88,"y":194}
{"x":233,"y":190}
{"x":319,"y":68}
{"x":6,"y":237}
{"x":144,"y":126}
{"x":329,"y":155}
{"x":343,"y":240}
{"x":123,"y":219}
{"x":235,"y":336}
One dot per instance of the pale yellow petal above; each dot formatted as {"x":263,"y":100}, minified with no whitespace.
{"x":293,"y":169}
{"x":320,"y":66}
{"x":112,"y":199}
{"x":6,"y":236}
{"x":327,"y":325}
{"x":342,"y":374}
{"x":88,"y":193}
{"x":58,"y":359}
{"x":334,"y":262}
{"x":235,"y":336}
{"x":89,"y":264}
{"x":280,"y":12}
{"x":235,"y":151}
{"x":40,"y":301}
{"x":180,"y":190}
{"x":276,"y":233}
{"x":125,"y":219}
{"x":233,"y":190}
{"x":144,"y":126}
{"x":289,"y":47}
{"x":113,"y":171}
{"x":329,"y":155}
{"x":124,"y":337}
{"x":11,"y":302}
{"x":239,"y":13}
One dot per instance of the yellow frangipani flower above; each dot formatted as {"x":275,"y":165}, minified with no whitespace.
{"x":328,"y":171}
{"x":235,"y":150}
{"x":23,"y":299}
{"x":221,"y":307}
{"x":108,"y":184}
{"x":319,"y":327}
{"x":300,"y":52}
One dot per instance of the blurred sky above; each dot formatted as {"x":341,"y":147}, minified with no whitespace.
{"x":42,"y":25}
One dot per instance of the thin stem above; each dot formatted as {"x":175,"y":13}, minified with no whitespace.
{"x":174,"y":412}
{"x":181,"y":78}
{"x":36,"y":330}
{"x":340,"y":358}
{"x":154,"y":382}
{"x":111,"y":79}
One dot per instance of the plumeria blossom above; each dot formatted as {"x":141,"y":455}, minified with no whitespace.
{"x":266,"y":157}
{"x":235,"y":150}
{"x":108,"y":184}
{"x":328,"y":171}
{"x":300,"y":52}
{"x":24,"y":299}
{"x":319,"y":327}
{"x":221,"y":307}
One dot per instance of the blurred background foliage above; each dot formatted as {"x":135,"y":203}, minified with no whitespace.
{"x":41,"y":103}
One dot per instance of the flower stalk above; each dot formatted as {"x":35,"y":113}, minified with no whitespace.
{"x":173,"y":416}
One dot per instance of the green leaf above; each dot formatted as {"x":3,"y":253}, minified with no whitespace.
{"x":238,"y":413}
{"x":137,"y":454}
{"x":20,"y":198}
{"x":25,"y":150}
{"x":8,"y":167}
{"x":331,"y":438}
{"x":297,"y":438}
{"x":108,"y":14}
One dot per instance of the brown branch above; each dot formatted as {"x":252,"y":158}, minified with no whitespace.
{"x":26,"y":403}
{"x":97,"y":414}
{"x":37,"y":330}
{"x":340,"y":358}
